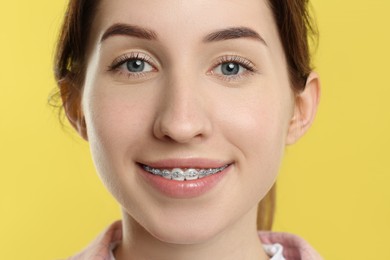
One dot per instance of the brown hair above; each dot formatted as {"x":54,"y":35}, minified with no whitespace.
{"x":295,"y":29}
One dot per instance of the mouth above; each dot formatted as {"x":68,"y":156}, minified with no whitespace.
{"x":183,"y":174}
{"x":184,"y":178}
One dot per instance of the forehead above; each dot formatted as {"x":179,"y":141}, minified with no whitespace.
{"x":186,"y":20}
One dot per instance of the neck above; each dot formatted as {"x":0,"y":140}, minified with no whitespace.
{"x":238,"y":241}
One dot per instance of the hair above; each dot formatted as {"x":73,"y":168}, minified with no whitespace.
{"x":295,"y":26}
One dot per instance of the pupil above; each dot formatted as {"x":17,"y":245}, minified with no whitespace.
{"x":230,"y":68}
{"x":135,"y":65}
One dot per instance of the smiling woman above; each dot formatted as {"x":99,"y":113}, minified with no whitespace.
{"x":187,"y":120}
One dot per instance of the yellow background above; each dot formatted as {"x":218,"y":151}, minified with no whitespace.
{"x":334,"y":184}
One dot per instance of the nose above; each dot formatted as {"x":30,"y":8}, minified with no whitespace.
{"x":182,"y":115}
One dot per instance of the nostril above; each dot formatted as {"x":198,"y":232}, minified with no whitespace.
{"x":180,"y":131}
{"x":182,"y":134}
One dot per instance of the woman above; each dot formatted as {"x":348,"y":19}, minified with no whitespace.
{"x":187,"y":107}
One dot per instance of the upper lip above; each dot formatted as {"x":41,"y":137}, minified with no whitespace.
{"x":196,"y":163}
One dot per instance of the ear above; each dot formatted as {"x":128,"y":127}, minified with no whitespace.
{"x":71,"y":100}
{"x":305,"y":109}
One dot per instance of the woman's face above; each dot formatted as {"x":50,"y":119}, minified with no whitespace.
{"x":187,"y":85}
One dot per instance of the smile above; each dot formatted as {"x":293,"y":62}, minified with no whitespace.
{"x":179,"y":174}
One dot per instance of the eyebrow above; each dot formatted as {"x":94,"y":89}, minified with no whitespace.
{"x":219,"y":35}
{"x":234,"y":33}
{"x":129,"y":30}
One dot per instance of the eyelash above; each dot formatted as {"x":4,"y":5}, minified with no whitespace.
{"x":117,"y":63}
{"x":244,"y":63}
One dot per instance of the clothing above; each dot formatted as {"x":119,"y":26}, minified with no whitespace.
{"x":275,"y":251}
{"x":279,"y":246}
{"x":294,"y":247}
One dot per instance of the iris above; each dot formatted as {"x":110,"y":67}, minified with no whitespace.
{"x":230,"y":68}
{"x":135,"y":65}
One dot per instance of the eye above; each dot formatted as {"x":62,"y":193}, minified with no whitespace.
{"x":232,"y":68}
{"x":133,"y":64}
{"x":229,"y":69}
{"x":137,"y":65}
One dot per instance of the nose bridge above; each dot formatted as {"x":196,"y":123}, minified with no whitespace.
{"x":181,"y":116}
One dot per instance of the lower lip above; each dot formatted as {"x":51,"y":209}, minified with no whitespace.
{"x":183,"y":189}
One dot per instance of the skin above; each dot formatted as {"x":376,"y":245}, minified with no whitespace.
{"x":182,"y":106}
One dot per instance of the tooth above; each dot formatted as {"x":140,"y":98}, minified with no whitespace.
{"x":209,"y":171}
{"x":191,"y":174}
{"x":202,"y":173}
{"x":177,"y":174}
{"x":181,"y":175}
{"x":166,"y":174}
{"x":156,"y":171}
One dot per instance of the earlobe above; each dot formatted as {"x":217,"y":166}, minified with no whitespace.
{"x":71,"y":100}
{"x":80,"y":126}
{"x":305,"y":110}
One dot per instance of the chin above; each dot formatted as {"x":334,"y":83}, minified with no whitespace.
{"x":184,"y":234}
{"x":184,"y":227}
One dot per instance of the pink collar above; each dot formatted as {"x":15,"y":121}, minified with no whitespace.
{"x":294,"y":247}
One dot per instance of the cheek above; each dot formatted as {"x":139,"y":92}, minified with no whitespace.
{"x":113,"y":123}
{"x":112,"y":120}
{"x":257,"y":123}
{"x":257,"y":128}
